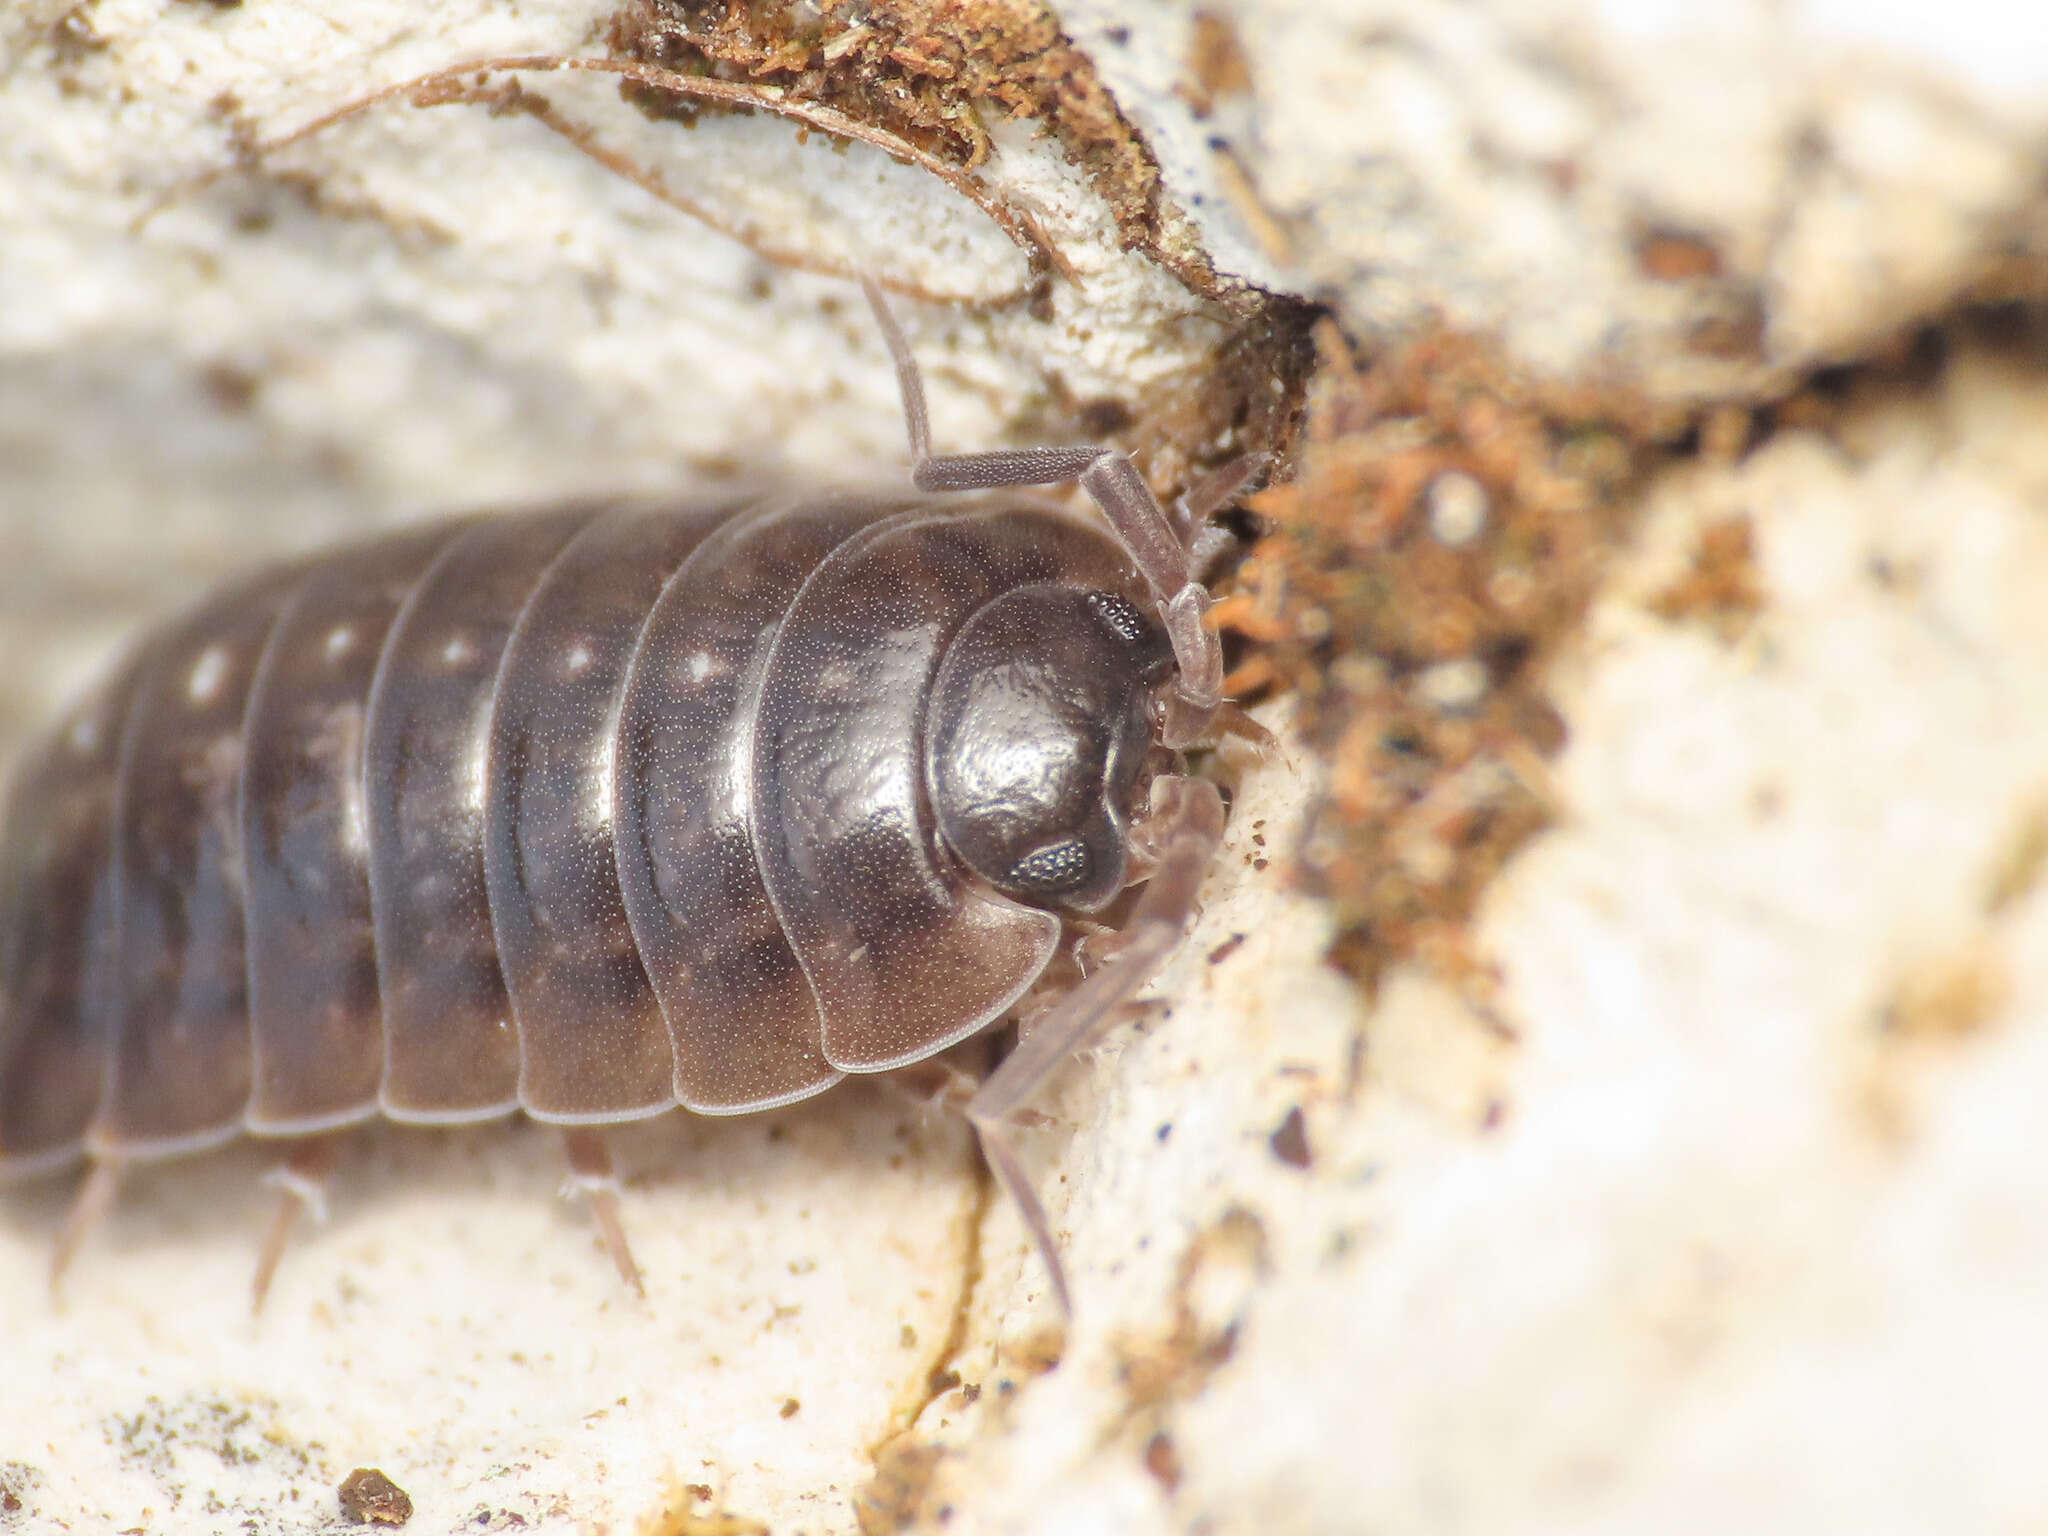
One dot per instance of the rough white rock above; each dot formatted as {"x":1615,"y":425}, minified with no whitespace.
{"x":1852,"y":169}
{"x":1755,"y":1244}
{"x":1741,"y":1230}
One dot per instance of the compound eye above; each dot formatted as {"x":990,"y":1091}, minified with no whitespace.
{"x":1121,"y":615}
{"x":1053,"y":870}
{"x":1146,"y":650}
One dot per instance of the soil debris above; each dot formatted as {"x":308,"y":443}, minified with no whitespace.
{"x":1443,"y":536}
{"x":368,"y":1497}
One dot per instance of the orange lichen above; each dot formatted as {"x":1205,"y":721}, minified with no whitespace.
{"x":1443,"y":535}
{"x":1217,"y":63}
{"x":1211,"y":1284}
{"x":933,"y":72}
{"x":1937,"y":1004}
{"x":680,"y":1514}
{"x":2021,"y":861}
{"x":1720,"y":587}
{"x":895,"y":1499}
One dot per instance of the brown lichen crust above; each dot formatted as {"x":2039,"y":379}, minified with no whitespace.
{"x":1444,"y":534}
{"x":932,"y":72}
{"x":931,"y":75}
{"x":1245,"y":396}
{"x":1720,"y":587}
{"x":691,"y":1509}
{"x":894,"y":1500}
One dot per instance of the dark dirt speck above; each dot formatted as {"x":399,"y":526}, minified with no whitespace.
{"x":368,"y":1497}
{"x":1290,"y":1140}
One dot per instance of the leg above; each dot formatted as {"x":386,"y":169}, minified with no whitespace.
{"x":1108,"y":476}
{"x":1232,"y":721}
{"x":590,"y":1175}
{"x":1094,"y":942}
{"x":89,"y":1208}
{"x":301,"y":1181}
{"x":934,"y":1083}
{"x":1189,"y":816}
{"x":1203,"y":500}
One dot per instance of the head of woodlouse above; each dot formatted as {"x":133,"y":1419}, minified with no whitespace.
{"x":1041,"y":724}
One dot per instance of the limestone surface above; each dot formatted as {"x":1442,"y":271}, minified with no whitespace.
{"x":1721,"y":1211}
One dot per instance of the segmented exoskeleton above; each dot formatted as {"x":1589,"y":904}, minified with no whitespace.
{"x":597,"y":811}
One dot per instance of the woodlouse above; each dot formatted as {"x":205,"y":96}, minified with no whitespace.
{"x":597,"y":811}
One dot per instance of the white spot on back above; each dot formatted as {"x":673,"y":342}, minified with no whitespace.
{"x":599,"y":802}
{"x":460,"y":650}
{"x":576,"y":660}
{"x":85,"y":734}
{"x":700,"y":667}
{"x":340,"y":641}
{"x":203,"y":683}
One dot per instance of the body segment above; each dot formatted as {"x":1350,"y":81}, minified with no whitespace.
{"x":316,"y":1020}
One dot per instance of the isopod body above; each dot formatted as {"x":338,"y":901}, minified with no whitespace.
{"x":594,"y":812}
{"x":586,"y":813}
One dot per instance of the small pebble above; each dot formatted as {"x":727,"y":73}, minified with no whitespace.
{"x":1458,"y":506}
{"x":1290,"y":1141}
{"x":368,"y":1497}
{"x":1451,"y":686}
{"x":1162,"y":1460}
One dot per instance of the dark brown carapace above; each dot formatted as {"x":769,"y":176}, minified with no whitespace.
{"x":595,"y":812}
